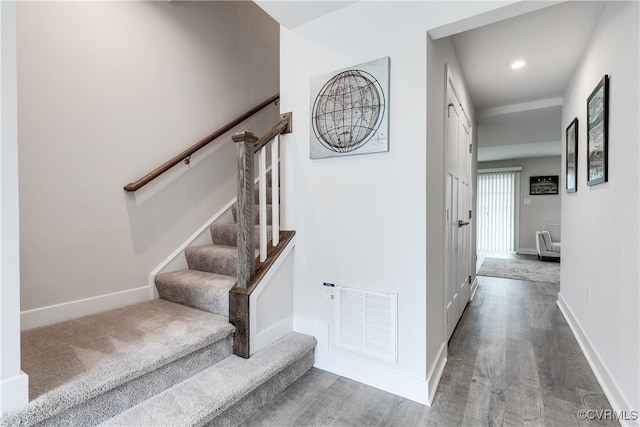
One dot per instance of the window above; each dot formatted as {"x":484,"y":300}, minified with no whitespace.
{"x":496,"y":222}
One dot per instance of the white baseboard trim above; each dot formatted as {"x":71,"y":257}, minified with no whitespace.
{"x":525,"y":251}
{"x":394,"y":382}
{"x":271,"y":334}
{"x":14,"y":393}
{"x":43,"y":316}
{"x":617,"y":398}
{"x":433,"y":379}
{"x":474,"y":288}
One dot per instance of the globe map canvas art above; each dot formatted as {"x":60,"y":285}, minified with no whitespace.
{"x":350,"y":111}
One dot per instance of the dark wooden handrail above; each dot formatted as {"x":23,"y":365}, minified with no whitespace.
{"x":283,"y":126}
{"x":133,"y":186}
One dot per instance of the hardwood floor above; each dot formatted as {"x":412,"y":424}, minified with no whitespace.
{"x":512,"y":361}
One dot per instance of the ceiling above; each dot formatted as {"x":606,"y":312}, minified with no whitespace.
{"x":519,"y":111}
{"x":293,"y":13}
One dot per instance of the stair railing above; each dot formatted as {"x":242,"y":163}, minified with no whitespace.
{"x":250,"y":274}
{"x":247,"y":146}
{"x":185,"y":156}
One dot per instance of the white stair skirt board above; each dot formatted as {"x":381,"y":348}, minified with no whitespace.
{"x":49,"y":315}
{"x":618,"y":400}
{"x":377,"y":376}
{"x":14,"y":393}
{"x":261,"y":335}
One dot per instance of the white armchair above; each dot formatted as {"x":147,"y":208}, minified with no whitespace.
{"x":548,"y":241}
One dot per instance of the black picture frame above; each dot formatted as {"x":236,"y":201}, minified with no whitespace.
{"x":571,"y":157}
{"x":598,"y":133}
{"x":543,"y":185}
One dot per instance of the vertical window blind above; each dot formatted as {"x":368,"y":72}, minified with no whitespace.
{"x":496,"y":223}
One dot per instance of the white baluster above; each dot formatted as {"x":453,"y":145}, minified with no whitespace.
{"x":275,"y":191}
{"x":262,"y":186}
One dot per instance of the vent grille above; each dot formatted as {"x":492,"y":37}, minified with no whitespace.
{"x":366,"y":322}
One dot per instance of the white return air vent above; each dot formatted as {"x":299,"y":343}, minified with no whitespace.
{"x":366,"y":322}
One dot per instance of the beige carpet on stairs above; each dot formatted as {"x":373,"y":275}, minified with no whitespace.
{"x":85,"y":370}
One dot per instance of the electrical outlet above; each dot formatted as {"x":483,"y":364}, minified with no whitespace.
{"x":588,"y":295}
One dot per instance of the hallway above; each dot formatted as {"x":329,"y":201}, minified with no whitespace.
{"x":512,"y":361}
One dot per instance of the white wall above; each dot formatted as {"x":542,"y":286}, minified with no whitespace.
{"x":13,"y":382}
{"x":107,"y":91}
{"x":600,"y":227}
{"x":361,"y":220}
{"x":542,"y":209}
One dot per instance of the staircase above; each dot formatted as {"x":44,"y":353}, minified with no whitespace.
{"x":165,"y":362}
{"x":211,"y":274}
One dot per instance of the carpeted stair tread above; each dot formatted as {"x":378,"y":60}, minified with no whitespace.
{"x":227,"y":393}
{"x":213,"y":258}
{"x":227,"y":234}
{"x":78,"y":362}
{"x":198,"y":289}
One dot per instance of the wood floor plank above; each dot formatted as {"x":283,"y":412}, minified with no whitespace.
{"x":405,"y":413}
{"x":521,"y":367}
{"x":485,"y":407}
{"x":524,"y":406}
{"x":451,"y":397}
{"x":286,"y":407}
{"x":363,"y":405}
{"x":538,"y":314}
{"x":489,"y":368}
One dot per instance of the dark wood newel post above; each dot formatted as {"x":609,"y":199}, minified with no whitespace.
{"x":246,"y":257}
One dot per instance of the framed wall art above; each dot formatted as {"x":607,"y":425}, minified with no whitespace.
{"x":541,"y":185}
{"x":598,"y":133}
{"x":571,"y":155}
{"x":350,"y":111}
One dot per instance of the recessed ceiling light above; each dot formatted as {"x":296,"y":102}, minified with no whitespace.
{"x":518,"y":64}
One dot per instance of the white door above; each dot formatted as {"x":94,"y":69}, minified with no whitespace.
{"x":458,"y":204}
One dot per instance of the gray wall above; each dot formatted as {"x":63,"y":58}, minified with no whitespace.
{"x":542,"y":209}
{"x":106,"y":92}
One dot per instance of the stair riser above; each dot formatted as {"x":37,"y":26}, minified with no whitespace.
{"x":121,"y":398}
{"x":228,"y":235}
{"x":259,"y":397}
{"x":211,"y":301}
{"x":204,"y":262}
